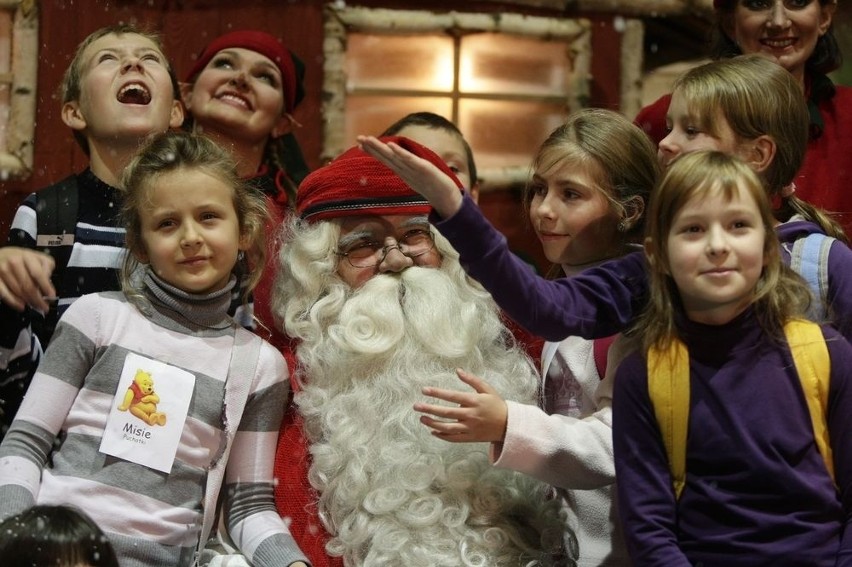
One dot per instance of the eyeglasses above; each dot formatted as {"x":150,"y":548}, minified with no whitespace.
{"x":363,"y":254}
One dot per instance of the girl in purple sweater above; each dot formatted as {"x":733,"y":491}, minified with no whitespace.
{"x":757,"y":489}
{"x":744,"y":106}
{"x":593,"y":176}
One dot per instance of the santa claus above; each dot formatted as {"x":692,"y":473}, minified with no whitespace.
{"x":381,"y":308}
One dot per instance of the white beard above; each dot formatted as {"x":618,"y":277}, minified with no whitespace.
{"x":391,"y":493}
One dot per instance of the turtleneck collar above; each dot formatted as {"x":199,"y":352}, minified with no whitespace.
{"x":712,"y":343}
{"x":189,"y":310}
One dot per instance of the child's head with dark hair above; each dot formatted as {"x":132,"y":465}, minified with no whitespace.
{"x":54,"y":536}
{"x":442,"y":137}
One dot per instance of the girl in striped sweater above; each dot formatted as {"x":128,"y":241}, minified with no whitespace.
{"x":157,"y":397}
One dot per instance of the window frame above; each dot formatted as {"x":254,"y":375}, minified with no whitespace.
{"x":16,"y":159}
{"x":631,"y":7}
{"x":341,"y":20}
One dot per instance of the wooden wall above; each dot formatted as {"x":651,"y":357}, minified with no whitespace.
{"x":187,"y":26}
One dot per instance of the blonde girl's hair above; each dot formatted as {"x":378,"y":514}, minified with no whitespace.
{"x":758,"y":97}
{"x":605,"y":142}
{"x":780,"y":294}
{"x":175,"y":151}
{"x":70,"y":87}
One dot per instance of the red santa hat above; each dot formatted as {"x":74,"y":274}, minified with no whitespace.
{"x":260,"y":42}
{"x":356,"y":183}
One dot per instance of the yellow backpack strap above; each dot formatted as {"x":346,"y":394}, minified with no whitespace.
{"x":668,"y":387}
{"x":813,"y":365}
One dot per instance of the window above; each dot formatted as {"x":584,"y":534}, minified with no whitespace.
{"x":18,"y":70}
{"x":506,"y":81}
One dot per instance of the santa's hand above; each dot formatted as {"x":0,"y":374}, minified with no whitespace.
{"x":420,"y":174}
{"x":479,"y":416}
{"x":25,"y":278}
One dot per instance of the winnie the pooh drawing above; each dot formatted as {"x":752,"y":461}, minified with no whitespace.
{"x":141,"y":400}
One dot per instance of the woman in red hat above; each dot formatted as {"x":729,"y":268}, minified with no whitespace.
{"x":799,"y":36}
{"x":241,"y":92}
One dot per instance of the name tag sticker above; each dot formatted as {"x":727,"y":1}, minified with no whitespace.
{"x":148,"y":413}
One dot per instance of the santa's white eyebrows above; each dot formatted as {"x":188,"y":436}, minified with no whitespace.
{"x":356,"y":236}
{"x":415,"y":222}
{"x":378,"y":232}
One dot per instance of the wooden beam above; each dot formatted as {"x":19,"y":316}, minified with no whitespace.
{"x":624,"y":7}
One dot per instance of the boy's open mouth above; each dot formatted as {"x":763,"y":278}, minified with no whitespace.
{"x":134,"y":93}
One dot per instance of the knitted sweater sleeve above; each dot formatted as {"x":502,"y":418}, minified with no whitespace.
{"x":840,"y":432}
{"x":647,"y":504}
{"x":599,"y":302}
{"x":45,"y":408}
{"x":252,"y":520}
{"x":562,"y":451}
{"x":19,"y":350}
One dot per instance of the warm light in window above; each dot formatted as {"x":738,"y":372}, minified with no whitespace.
{"x":392,"y":62}
{"x":506,"y":64}
{"x":507,"y":93}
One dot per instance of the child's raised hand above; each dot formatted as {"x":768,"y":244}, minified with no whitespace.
{"x":480,"y":415}
{"x":418,"y":173}
{"x":25,"y":278}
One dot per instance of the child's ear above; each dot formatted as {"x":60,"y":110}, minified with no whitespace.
{"x":72,"y":116}
{"x":186,"y":94}
{"x":761,"y":153}
{"x":177,"y":114}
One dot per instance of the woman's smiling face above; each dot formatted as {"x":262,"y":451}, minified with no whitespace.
{"x":784,"y":30}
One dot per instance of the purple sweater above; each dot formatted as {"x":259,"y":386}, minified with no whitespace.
{"x":600,"y":301}
{"x":757,"y":491}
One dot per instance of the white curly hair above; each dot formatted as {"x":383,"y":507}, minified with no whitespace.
{"x":390,"y":492}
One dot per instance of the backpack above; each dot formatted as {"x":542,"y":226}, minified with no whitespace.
{"x":669,"y":392}
{"x":809,"y":259}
